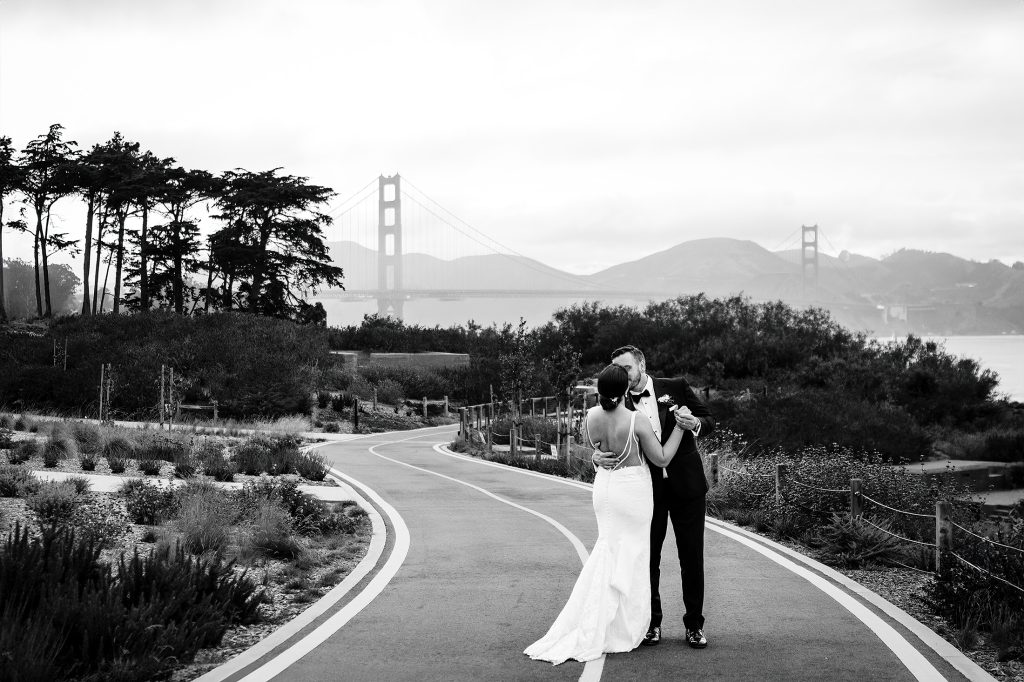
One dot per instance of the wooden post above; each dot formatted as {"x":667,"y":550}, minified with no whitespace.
{"x":714,"y":469}
{"x":424,"y":407}
{"x":103,"y":368}
{"x":856,"y":501}
{"x":533,"y":407}
{"x":943,"y":532}
{"x":490,"y":430}
{"x":780,"y":475}
{"x":214,"y":410}
{"x":375,"y":399}
{"x":536,"y":448}
{"x":563,"y":437}
{"x":355,"y":412}
{"x":162,"y":404}
{"x":462,"y":422}
{"x":446,"y":406}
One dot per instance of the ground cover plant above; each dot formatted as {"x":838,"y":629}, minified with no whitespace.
{"x":167,"y":571}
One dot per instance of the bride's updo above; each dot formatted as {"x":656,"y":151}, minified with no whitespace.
{"x":612,"y":383}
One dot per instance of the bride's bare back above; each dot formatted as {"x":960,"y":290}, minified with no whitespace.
{"x":610,"y":430}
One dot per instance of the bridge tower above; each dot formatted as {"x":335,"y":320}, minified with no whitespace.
{"x":389,"y":247}
{"x":809,"y":261}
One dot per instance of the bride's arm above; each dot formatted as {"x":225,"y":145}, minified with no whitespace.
{"x":652,"y":446}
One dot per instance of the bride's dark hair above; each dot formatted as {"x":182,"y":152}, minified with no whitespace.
{"x":612,"y":383}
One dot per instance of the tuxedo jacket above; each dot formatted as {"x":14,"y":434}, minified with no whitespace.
{"x":686,"y":477}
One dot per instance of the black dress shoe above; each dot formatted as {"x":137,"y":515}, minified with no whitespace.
{"x":653,"y":636}
{"x":696,"y":639}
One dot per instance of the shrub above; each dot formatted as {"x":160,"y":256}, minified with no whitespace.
{"x":271,"y":531}
{"x":185,"y":467}
{"x":390,"y":391}
{"x":204,"y":517}
{"x":16,"y":481}
{"x":120,"y":447}
{"x":6,"y":438}
{"x":80,"y":484}
{"x":22,"y":451}
{"x":312,"y":466}
{"x":220,"y":469}
{"x":161,"y":447}
{"x":53,"y":504}
{"x":88,"y":436}
{"x":87,"y":461}
{"x":252,"y":457}
{"x":57,"y":448}
{"x":323,"y":399}
{"x":851,"y":542}
{"x":133,"y":620}
{"x":332,"y":427}
{"x":102,"y":525}
{"x":146,"y":503}
{"x":7,"y":421}
{"x":117,"y":464}
{"x":149,"y":467}
{"x":345,"y":400}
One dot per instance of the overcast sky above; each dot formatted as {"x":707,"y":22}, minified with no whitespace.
{"x":581,"y":133}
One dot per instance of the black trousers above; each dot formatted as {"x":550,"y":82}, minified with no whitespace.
{"x":688,"y":526}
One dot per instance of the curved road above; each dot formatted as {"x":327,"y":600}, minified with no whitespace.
{"x":478,"y":560}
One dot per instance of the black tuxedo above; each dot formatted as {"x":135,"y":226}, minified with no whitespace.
{"x":681,"y":497}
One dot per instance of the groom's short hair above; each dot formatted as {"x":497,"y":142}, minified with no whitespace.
{"x":637,"y":354}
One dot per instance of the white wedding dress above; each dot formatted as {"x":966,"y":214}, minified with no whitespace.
{"x":609,"y":609}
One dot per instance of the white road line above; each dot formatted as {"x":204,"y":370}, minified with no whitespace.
{"x":591,"y":669}
{"x":279,"y":663}
{"x":968,"y":668}
{"x":282,"y":634}
{"x":915,"y":661}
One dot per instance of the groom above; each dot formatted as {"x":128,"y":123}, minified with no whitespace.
{"x":679,"y":488}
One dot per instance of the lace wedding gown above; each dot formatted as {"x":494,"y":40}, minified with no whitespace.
{"x":610,"y":605}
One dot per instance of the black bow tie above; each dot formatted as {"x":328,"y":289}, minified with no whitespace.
{"x":637,"y":396}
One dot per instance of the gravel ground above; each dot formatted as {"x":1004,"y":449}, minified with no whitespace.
{"x":281,"y":604}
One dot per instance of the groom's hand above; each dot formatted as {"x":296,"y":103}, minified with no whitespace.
{"x":605,"y":460}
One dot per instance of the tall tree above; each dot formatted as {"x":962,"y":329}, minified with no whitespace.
{"x":9,"y":181}
{"x":176,"y":243}
{"x":123,"y":169}
{"x":47,"y":176}
{"x":277,"y":235}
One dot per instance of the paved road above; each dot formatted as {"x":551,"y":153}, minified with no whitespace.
{"x":480,"y":558}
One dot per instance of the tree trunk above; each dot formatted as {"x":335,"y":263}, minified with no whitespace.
{"x":3,"y":295}
{"x":87,"y":254}
{"x":209,"y":283}
{"x":106,"y":276}
{"x":35,"y":254}
{"x":116,"y":305}
{"x":229,"y":284}
{"x":179,"y":298}
{"x":46,"y":266}
{"x":99,"y":259}
{"x":143,"y":278}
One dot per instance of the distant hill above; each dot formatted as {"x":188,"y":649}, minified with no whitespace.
{"x":910,"y":290}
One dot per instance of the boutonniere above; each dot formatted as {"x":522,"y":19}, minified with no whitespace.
{"x":666,"y":400}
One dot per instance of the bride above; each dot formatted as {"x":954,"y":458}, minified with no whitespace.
{"x":610,"y":606}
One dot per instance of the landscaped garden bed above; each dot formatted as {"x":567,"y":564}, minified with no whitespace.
{"x":155,"y":580}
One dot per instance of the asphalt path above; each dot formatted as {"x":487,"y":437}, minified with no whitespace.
{"x":477,"y":560}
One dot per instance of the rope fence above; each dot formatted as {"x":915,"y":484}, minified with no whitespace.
{"x":944,"y":525}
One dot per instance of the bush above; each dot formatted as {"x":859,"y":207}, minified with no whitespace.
{"x":58,"y":448}
{"x":66,"y":614}
{"x":149,"y":467}
{"x":271,"y":532}
{"x":117,"y":464}
{"x":220,"y":469}
{"x":185,"y":467}
{"x":80,"y":484}
{"x":161,"y":447}
{"x":390,"y":391}
{"x":204,"y":517}
{"x":53,"y":504}
{"x":120,"y":447}
{"x":332,"y":427}
{"x":6,"y":438}
{"x":851,"y":543}
{"x":323,"y":399}
{"x":87,"y":461}
{"x":312,"y":466}
{"x":16,"y":481}
{"x":88,"y":436}
{"x":102,"y":525}
{"x":253,"y":457}
{"x":147,"y":504}
{"x":23,"y":451}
